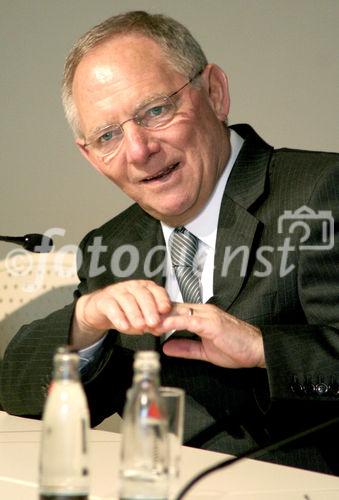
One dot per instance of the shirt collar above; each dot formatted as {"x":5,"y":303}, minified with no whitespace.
{"x":205,"y":224}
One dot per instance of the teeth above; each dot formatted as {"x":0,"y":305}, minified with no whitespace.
{"x":163,"y":172}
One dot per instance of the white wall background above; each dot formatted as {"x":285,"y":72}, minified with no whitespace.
{"x":281,"y":56}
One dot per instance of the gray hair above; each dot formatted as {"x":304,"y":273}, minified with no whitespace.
{"x":182,"y":50}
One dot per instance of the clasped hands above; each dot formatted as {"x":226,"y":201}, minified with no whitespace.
{"x":139,"y":306}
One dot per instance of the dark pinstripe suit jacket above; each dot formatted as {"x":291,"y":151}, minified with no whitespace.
{"x":289,"y":291}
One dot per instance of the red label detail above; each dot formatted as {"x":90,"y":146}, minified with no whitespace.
{"x":154,"y":411}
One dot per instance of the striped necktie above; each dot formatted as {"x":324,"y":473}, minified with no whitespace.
{"x":183,"y":247}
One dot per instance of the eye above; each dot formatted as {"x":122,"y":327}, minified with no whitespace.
{"x":156,"y":111}
{"x":109,"y":136}
{"x":106,"y":137}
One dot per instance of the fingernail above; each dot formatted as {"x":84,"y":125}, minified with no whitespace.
{"x":152,"y":320}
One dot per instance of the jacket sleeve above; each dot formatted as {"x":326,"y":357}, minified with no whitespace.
{"x":303,"y":360}
{"x":27,"y":365}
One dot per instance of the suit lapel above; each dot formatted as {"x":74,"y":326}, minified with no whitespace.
{"x":151,"y":245}
{"x":238,"y":228}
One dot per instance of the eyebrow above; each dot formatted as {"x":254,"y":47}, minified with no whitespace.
{"x":101,"y":128}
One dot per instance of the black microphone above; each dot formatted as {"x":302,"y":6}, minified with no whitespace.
{"x":39,"y":243}
{"x":255,"y":453}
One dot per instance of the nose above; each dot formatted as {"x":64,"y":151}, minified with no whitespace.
{"x":139,"y":143}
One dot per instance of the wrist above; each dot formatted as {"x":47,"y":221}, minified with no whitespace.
{"x":83,"y":334}
{"x":261,"y":351}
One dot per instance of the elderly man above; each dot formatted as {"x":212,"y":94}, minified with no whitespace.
{"x":206,"y":266}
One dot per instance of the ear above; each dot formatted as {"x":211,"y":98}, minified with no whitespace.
{"x":216,"y":85}
{"x":93,"y":160}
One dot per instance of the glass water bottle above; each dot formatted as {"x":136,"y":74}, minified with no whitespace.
{"x":64,"y":458}
{"x":144,"y":447}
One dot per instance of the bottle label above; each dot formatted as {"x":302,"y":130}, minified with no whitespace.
{"x":64,"y":457}
{"x":59,"y":496}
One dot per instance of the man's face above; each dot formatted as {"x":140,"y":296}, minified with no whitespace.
{"x":170,"y":172}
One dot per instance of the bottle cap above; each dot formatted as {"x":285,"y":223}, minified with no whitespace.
{"x":146,"y":360}
{"x":66,"y":349}
{"x":66,"y":352}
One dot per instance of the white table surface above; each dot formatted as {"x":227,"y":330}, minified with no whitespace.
{"x":247,"y":480}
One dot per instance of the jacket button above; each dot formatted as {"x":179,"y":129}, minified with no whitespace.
{"x":321,"y":389}
{"x":310,"y":389}
{"x":297,"y":388}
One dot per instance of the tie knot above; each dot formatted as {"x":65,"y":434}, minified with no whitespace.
{"x":183,"y":246}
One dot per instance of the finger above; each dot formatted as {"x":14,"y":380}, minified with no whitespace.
{"x":192,"y":323}
{"x":184,"y":348}
{"x":181,"y":309}
{"x":130,"y":304}
{"x":161,"y":297}
{"x":186,"y":309}
{"x":143,"y":302}
{"x":114,"y":315}
{"x":152,"y":300}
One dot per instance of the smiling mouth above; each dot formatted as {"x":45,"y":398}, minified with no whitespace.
{"x":162,"y":174}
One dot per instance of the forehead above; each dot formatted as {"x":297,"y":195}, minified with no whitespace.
{"x":120,"y":73}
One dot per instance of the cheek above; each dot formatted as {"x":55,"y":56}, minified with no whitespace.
{"x":194,"y":129}
{"x":193,"y":139}
{"x":189,"y":140}
{"x":114,"y":172}
{"x":180,"y":135}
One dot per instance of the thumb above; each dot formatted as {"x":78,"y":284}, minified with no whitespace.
{"x":184,"y":348}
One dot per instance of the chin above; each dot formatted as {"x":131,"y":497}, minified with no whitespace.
{"x":174,"y":209}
